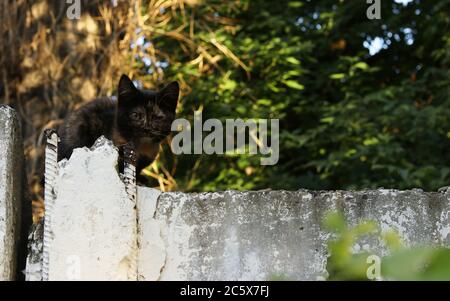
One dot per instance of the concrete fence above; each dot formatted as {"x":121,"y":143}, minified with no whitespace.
{"x":228,"y":235}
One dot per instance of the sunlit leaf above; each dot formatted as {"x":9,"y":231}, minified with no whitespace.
{"x":337,"y":76}
{"x":293,"y":60}
{"x":294,"y":85}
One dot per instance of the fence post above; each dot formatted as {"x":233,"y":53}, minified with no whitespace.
{"x":15,"y":211}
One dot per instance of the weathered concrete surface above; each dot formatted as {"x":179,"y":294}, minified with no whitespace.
{"x":11,"y":192}
{"x":93,"y":222}
{"x":227,"y":235}
{"x":152,"y":253}
{"x":257,"y":235}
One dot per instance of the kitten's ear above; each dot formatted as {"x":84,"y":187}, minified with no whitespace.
{"x":126,"y":88}
{"x":168,"y":96}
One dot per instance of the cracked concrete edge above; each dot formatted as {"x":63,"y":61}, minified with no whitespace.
{"x":152,"y":249}
{"x":94,"y":221}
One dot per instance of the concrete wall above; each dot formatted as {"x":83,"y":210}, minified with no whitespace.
{"x":11,"y":194}
{"x":259,"y":235}
{"x":227,"y":235}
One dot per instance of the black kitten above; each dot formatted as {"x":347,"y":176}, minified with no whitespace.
{"x":139,"y":116}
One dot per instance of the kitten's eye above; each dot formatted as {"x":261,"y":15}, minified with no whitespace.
{"x":135,"y":116}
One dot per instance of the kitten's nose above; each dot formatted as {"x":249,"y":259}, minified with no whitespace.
{"x":158,"y":115}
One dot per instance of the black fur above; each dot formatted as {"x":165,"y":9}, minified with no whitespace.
{"x":139,"y":116}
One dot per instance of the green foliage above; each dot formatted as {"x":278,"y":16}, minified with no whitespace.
{"x":348,"y":119}
{"x":342,"y":264}
{"x":419,"y":263}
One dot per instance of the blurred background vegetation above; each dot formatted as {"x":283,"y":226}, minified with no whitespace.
{"x":417,"y":263}
{"x":361,"y":103}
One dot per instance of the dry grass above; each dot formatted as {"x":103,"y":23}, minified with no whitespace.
{"x":51,"y":64}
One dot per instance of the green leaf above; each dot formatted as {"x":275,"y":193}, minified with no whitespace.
{"x":392,"y":240}
{"x":334,"y":221}
{"x":439,"y":267}
{"x":294,"y":85}
{"x":406,"y":264}
{"x":371,"y":141}
{"x":273,"y":87}
{"x":293,"y":60}
{"x":264,"y":102}
{"x":295,"y":4}
{"x":229,"y":85}
{"x":337,"y":76}
{"x":361,"y":65}
{"x":328,"y":120}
